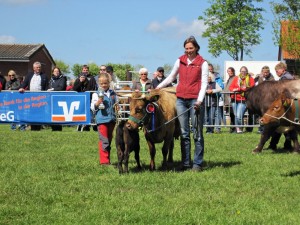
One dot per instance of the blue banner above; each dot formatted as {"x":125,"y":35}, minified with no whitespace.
{"x":45,"y":107}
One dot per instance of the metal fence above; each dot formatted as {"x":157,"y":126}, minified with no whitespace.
{"x":222,"y":116}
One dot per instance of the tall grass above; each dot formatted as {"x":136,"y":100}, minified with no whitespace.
{"x":55,"y":178}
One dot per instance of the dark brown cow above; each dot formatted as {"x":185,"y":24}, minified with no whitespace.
{"x":126,"y":142}
{"x":163,"y":104}
{"x":281,"y":116}
{"x":260,"y":97}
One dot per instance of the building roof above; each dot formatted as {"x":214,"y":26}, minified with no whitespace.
{"x":20,"y":52}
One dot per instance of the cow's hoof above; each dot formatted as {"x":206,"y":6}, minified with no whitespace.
{"x":272,"y":147}
{"x":256,"y":151}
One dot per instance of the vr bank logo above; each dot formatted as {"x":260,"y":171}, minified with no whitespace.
{"x":68,"y":108}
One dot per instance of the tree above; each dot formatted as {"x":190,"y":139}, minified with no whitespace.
{"x":93,"y":68}
{"x":168,"y":68}
{"x":65,"y":68}
{"x":287,"y":10}
{"x":119,"y":69}
{"x":76,"y":69}
{"x":233,"y":27}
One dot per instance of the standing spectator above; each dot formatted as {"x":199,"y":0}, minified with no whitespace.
{"x":190,"y":92}
{"x":12,"y":84}
{"x":105,"y":118}
{"x":239,"y":85}
{"x":20,"y":79}
{"x":265,"y":75}
{"x":113,"y":77}
{"x":70,"y":85}
{"x":92,"y":86}
{"x":159,"y":78}
{"x":58,"y":82}
{"x":219,"y":112}
{"x":91,"y":79}
{"x":281,"y":72}
{"x":211,"y":102}
{"x":143,"y":83}
{"x":2,"y":82}
{"x":154,"y":74}
{"x":81,"y":84}
{"x":35,"y":81}
{"x":102,"y":69}
{"x":227,"y":99}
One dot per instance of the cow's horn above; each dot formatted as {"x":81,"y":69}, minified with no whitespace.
{"x":128,"y":95}
{"x":142,"y":97}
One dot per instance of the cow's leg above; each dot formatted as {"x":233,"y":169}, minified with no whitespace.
{"x":266,"y":134}
{"x":171,"y":148}
{"x":137,"y":157}
{"x":126,"y":158}
{"x":152,"y":152}
{"x":294,"y":138}
{"x":120,"y":159}
{"x":165,"y":150}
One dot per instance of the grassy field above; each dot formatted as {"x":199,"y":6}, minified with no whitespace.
{"x":55,"y":178}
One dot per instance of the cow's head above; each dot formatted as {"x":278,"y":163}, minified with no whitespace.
{"x":138,"y":113}
{"x":277,"y":109}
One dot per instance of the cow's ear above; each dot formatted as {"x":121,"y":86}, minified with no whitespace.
{"x":125,"y":95}
{"x":285,"y":104}
{"x":288,"y":101}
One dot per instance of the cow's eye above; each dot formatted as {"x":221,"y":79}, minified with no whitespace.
{"x":276,"y":108}
{"x":137,"y":110}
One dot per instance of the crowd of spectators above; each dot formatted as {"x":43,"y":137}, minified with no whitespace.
{"x":221,"y":107}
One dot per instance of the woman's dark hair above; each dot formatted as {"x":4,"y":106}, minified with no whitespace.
{"x":192,"y":40}
{"x":232,"y":69}
{"x":56,"y":68}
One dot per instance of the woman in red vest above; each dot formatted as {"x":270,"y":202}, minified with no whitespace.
{"x":190,"y":92}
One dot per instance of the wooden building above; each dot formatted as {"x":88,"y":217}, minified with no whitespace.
{"x":20,"y":58}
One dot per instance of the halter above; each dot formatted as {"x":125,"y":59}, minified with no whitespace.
{"x":283,"y":115}
{"x":140,"y":122}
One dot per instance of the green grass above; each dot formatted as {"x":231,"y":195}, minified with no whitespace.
{"x":55,"y":178}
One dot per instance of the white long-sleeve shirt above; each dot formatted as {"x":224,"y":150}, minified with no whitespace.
{"x":174,"y":74}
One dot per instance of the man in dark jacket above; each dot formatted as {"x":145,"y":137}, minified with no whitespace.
{"x":92,"y":82}
{"x":159,"y":78}
{"x":35,"y":81}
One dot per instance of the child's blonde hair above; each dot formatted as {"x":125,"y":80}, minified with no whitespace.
{"x":105,"y":76}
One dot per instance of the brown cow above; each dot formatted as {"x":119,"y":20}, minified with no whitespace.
{"x":159,"y":126}
{"x":281,"y":116}
{"x":260,"y":97}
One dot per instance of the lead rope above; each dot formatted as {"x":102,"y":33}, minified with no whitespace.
{"x":149,"y":131}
